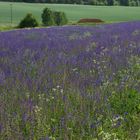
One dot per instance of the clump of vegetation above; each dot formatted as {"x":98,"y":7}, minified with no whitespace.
{"x":47,"y":17}
{"x":60,"y":18}
{"x":53,"y":17}
{"x":28,"y":21}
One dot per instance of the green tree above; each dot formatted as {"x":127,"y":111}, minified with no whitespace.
{"x":60,"y":18}
{"x":124,"y":2}
{"x":28,"y":21}
{"x":110,"y":2}
{"x":47,"y":17}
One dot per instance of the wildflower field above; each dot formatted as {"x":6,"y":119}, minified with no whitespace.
{"x":70,"y":83}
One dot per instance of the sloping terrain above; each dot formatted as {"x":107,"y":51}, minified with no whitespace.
{"x":70,"y":82}
{"x":73,"y":12}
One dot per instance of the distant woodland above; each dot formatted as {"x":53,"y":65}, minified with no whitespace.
{"x":86,"y":2}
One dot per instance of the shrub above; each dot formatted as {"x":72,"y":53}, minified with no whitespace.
{"x":28,"y":21}
{"x":47,"y":17}
{"x":60,"y":18}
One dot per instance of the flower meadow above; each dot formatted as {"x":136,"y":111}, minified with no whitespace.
{"x":70,"y":83}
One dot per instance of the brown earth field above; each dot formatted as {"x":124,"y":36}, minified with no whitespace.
{"x":88,"y":20}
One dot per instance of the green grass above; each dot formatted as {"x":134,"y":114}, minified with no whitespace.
{"x":73,"y":12}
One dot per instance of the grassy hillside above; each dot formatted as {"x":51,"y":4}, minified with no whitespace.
{"x":74,"y":12}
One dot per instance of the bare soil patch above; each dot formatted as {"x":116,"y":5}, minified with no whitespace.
{"x":88,"y":20}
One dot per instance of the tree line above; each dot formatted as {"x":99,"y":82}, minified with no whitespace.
{"x":86,"y":2}
{"x":49,"y":18}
